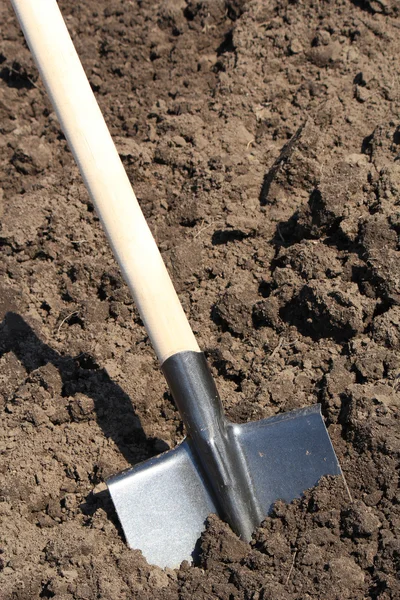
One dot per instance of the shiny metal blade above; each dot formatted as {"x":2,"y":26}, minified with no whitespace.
{"x":287,"y":454}
{"x":163,"y":503}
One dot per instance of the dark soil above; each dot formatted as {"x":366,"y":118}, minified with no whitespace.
{"x":263,"y":142}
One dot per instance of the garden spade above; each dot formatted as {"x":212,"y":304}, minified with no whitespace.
{"x":236,"y":471}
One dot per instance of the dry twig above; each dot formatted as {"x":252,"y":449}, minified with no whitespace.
{"x":291,"y":567}
{"x":75,"y":312}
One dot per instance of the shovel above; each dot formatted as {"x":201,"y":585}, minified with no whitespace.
{"x":236,"y":471}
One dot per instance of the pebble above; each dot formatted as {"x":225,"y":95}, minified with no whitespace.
{"x":295,"y":47}
{"x":99,"y":488}
{"x":158,"y":579}
{"x":70,"y":574}
{"x":179,"y":141}
{"x":353,"y":55}
{"x":361,"y":93}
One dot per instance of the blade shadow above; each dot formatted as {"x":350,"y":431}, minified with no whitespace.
{"x":113,"y":407}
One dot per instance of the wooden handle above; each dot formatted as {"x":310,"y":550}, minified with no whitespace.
{"x":105,"y":177}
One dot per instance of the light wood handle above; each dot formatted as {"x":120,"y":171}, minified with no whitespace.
{"x":105,"y":177}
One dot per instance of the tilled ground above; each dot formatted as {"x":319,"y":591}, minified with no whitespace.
{"x":263,"y":142}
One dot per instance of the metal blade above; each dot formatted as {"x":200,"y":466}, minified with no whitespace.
{"x":287,"y":454}
{"x":163,"y":503}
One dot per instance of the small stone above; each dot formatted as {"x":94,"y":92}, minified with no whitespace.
{"x":158,"y":579}
{"x":172,"y":574}
{"x":357,"y":159}
{"x":200,"y":141}
{"x":44,"y":520}
{"x":99,"y":488}
{"x":206,"y":62}
{"x":361,"y":94}
{"x":96,"y":82}
{"x":324,"y":55}
{"x":243,"y":136}
{"x":164,"y":204}
{"x":380,"y":6}
{"x":69,"y":574}
{"x":70,"y":501}
{"x":353,"y":55}
{"x":179,"y":141}
{"x":324,"y":37}
{"x":295,"y":47}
